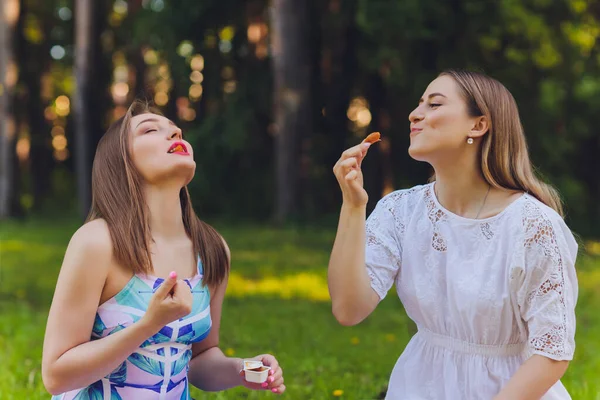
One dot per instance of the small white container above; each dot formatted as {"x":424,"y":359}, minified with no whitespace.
{"x":255,"y":371}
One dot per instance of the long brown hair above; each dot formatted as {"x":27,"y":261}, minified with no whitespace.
{"x":505,"y":160}
{"x":118,"y":198}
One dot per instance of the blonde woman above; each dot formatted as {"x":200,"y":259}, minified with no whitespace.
{"x":481,"y":257}
{"x":137,"y":308}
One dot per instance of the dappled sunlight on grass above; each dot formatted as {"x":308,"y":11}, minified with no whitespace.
{"x":589,"y":279}
{"x":304,"y":285}
{"x":593,"y":247}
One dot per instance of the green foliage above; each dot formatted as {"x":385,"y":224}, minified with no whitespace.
{"x":544,"y":51}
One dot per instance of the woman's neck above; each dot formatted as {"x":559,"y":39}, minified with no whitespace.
{"x":166,"y":221}
{"x":461,"y":188}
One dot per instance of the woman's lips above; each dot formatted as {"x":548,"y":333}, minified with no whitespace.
{"x":178,"y":148}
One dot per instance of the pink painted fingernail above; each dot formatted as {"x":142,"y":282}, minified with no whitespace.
{"x":265,"y":384}
{"x":271,"y":379}
{"x":274,"y":390}
{"x":271,"y":372}
{"x":173,"y":275}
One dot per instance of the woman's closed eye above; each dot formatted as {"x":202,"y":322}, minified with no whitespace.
{"x":434,"y":105}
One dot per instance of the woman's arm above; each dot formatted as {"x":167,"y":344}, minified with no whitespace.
{"x":534,"y":378}
{"x":70,"y":360}
{"x":211,"y":370}
{"x":352,"y":297}
{"x":546,"y":295}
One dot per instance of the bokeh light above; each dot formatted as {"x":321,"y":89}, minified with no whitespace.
{"x":195,"y":91}
{"x":197,"y":62}
{"x":196,"y":77}
{"x":57,"y":52}
{"x":57,"y":131}
{"x":161,"y":98}
{"x":59,"y":142}
{"x":23,"y":148}
{"x":185,"y":48}
{"x":63,"y":106}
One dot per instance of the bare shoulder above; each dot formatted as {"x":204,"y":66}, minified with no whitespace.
{"x":93,"y":237}
{"x":90,"y":248}
{"x":85,"y":267}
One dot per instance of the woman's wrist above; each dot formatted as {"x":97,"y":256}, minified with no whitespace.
{"x":237,"y":367}
{"x":147,"y":326}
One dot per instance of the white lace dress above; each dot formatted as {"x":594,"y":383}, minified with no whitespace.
{"x":485,"y":294}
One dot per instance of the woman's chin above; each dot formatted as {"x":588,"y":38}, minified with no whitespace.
{"x":182,"y":174}
{"x":417,"y":153}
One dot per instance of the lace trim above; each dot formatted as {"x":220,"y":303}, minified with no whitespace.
{"x":378,"y":219}
{"x":383,"y":228}
{"x":435,"y":215}
{"x":486,"y":231}
{"x":540,"y":235}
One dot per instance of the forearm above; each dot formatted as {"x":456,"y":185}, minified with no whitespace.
{"x":534,"y":378}
{"x":212,"y":371}
{"x":347,"y":275}
{"x":91,"y":361}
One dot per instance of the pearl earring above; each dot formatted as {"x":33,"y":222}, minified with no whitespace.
{"x":470,"y":140}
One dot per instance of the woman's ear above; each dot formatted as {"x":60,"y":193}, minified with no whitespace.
{"x":480,"y":127}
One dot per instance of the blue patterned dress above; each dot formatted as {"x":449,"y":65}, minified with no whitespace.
{"x":158,"y":369}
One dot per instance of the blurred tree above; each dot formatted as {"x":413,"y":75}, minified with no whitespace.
{"x":84,"y":47}
{"x":9,"y":14}
{"x":34,"y":30}
{"x":292,"y":109}
{"x":336,"y":70}
{"x":269,"y":101}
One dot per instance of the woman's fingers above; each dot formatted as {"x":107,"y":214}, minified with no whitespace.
{"x":349,"y":163}
{"x":359,"y":151}
{"x":279,"y":389}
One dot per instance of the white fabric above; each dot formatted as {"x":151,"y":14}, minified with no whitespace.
{"x":485,"y":294}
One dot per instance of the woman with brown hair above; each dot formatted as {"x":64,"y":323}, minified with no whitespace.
{"x":481,"y":257}
{"x":137,"y":307}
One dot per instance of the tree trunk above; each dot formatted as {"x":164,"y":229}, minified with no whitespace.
{"x":9,"y":12}
{"x":101,"y":70}
{"x":377,"y":170}
{"x":83,"y":68}
{"x":339,"y":36}
{"x":291,"y":68}
{"x":33,"y":62}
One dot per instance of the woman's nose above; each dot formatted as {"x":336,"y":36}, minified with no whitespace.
{"x":176,"y":134}
{"x":416,"y":115}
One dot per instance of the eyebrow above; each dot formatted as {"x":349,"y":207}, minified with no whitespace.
{"x":153,"y":120}
{"x":432,"y":95}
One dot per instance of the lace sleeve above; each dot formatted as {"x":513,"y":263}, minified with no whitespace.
{"x":383,"y":250}
{"x":548,"y":292}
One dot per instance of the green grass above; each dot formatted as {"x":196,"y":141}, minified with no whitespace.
{"x":275,"y":304}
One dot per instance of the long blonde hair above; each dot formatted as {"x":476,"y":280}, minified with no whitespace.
{"x":505,"y":160}
{"x":118,"y":198}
